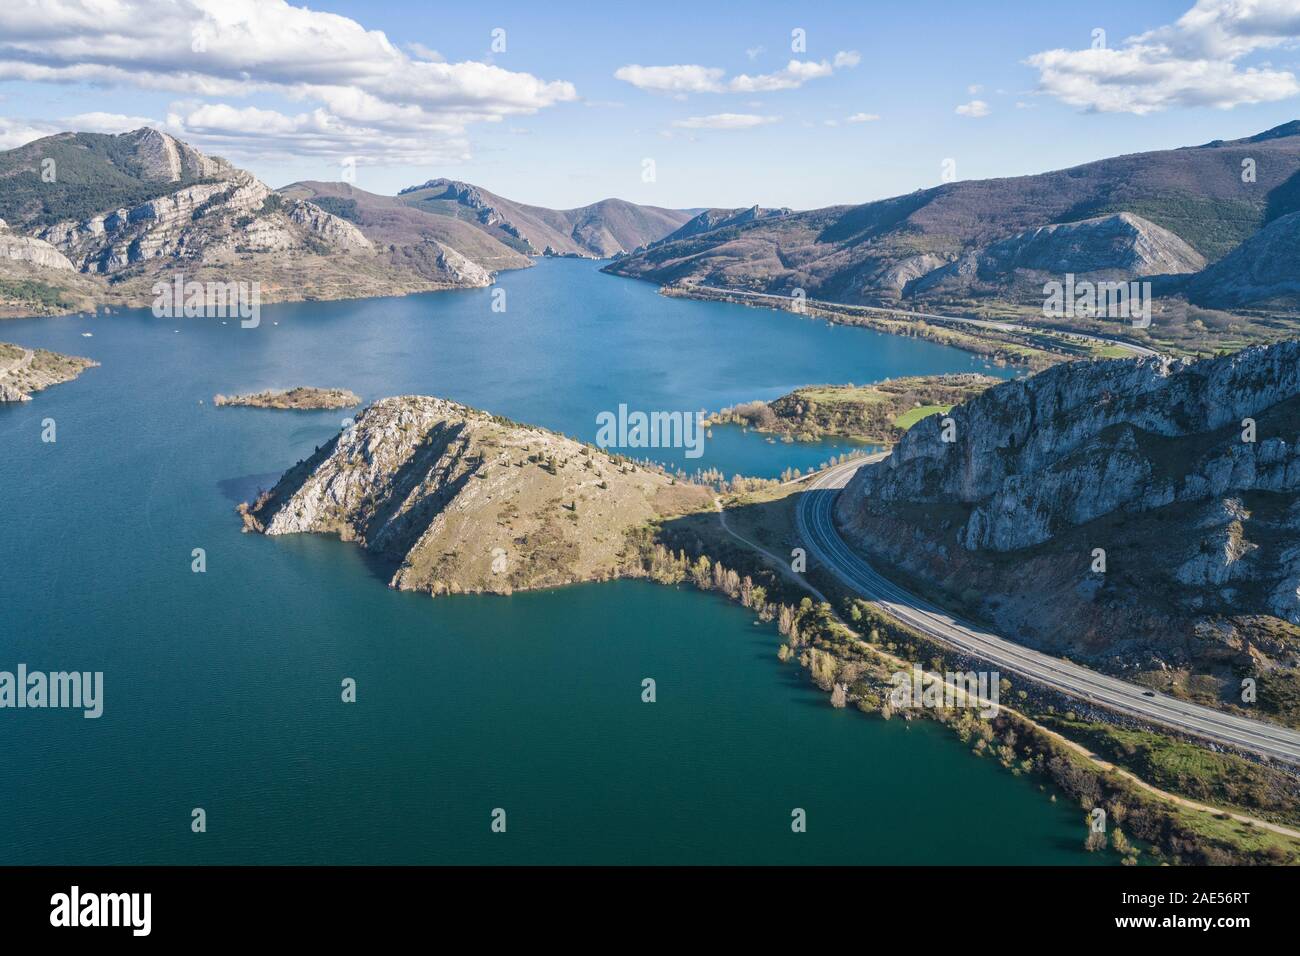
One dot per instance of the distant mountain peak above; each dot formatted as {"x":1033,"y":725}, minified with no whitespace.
{"x":1158,"y":213}
{"x":602,"y":229}
{"x":1285,"y":131}
{"x":429,"y":184}
{"x":1277,"y":132}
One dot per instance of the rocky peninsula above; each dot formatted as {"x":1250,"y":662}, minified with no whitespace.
{"x":464,"y":501}
{"x":24,"y":371}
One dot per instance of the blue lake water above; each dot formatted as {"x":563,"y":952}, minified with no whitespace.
{"x":222,"y":688}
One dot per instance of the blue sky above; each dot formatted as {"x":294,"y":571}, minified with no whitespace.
{"x":560,"y":117}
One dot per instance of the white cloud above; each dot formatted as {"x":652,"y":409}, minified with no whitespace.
{"x":672,"y":79}
{"x":792,"y":76}
{"x":863,"y":118}
{"x":726,"y":121}
{"x":17,"y":132}
{"x":692,"y":78}
{"x":420,"y":51}
{"x":1192,"y":62}
{"x":97,"y":122}
{"x":974,"y":109}
{"x":14,"y":133}
{"x":974,"y":89}
{"x":267,"y":133}
{"x":355,"y":83}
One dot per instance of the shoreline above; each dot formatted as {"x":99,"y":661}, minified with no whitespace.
{"x":1032,"y":350}
{"x":1177,"y":824}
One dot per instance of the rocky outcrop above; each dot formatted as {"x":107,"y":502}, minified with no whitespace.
{"x":1120,"y":246}
{"x":16,"y":248}
{"x":161,"y":156}
{"x":896,"y":277}
{"x":238,"y":213}
{"x":338,"y":234}
{"x":169,"y":226}
{"x":1075,"y":442}
{"x":400,"y":229}
{"x":483,"y":205}
{"x":293,"y":226}
{"x":459,"y":268}
{"x":460,"y":500}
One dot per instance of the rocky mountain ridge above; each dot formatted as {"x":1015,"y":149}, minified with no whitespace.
{"x":1125,"y":217}
{"x":603,"y":229}
{"x":1183,"y":477}
{"x":1117,"y":247}
{"x":134,"y":207}
{"x":712,"y":219}
{"x":194,"y":214}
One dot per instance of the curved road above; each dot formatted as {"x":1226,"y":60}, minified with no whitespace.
{"x":816,"y":525}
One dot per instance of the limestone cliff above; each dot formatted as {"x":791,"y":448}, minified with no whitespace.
{"x":201,"y":222}
{"x":1186,"y":475}
{"x":16,"y":248}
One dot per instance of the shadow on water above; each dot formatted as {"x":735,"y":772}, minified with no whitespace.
{"x":381,"y":567}
{"x":247,"y":487}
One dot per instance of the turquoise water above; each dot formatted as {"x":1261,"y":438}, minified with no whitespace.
{"x":222,"y":689}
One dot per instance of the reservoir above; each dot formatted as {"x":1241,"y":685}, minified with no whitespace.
{"x":221,"y":690}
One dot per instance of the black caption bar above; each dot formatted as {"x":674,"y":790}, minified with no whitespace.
{"x":183,"y":904}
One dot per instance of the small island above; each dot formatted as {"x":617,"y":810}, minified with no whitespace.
{"x":877,"y":414}
{"x":300,"y":398}
{"x":23,"y":371}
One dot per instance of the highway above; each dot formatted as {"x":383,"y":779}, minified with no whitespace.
{"x":816,"y":527}
{"x":784,"y":301}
